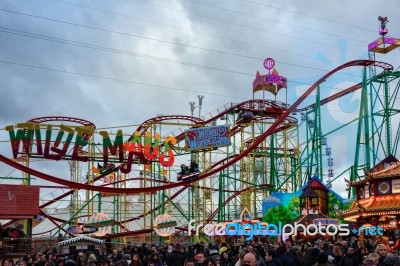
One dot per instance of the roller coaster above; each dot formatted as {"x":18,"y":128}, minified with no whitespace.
{"x":130,"y":184}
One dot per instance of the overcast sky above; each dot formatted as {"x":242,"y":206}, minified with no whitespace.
{"x":119,"y":63}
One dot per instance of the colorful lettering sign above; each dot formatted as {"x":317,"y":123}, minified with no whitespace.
{"x":149,"y":149}
{"x":207,"y":137}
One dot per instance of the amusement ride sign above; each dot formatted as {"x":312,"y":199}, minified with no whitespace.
{"x":147,"y":148}
{"x":207,"y":137}
{"x":82,"y":229}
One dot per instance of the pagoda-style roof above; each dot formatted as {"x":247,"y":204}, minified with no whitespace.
{"x":382,"y":164}
{"x":387,"y":169}
{"x":309,"y":192}
{"x":392,"y":170}
{"x":375,"y":205}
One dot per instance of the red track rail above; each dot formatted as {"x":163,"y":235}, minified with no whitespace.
{"x":44,"y":119}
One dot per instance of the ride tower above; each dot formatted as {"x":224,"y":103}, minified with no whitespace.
{"x":378,"y":134}
{"x":274,"y":161}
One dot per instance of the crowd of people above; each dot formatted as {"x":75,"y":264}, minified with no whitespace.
{"x":321,"y":252}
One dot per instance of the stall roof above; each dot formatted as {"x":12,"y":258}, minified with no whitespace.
{"x":80,"y":240}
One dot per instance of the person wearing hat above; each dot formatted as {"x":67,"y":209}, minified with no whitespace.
{"x":392,"y":260}
{"x":128,"y":258}
{"x":69,"y":262}
{"x":216,"y":257}
{"x":223,"y":249}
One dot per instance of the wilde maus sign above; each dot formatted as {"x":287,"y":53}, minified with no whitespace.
{"x":67,"y":139}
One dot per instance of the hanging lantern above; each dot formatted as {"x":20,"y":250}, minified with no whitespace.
{"x":102,"y":221}
{"x":164,"y":225}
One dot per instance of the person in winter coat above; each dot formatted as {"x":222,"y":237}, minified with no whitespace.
{"x":136,"y":261}
{"x":322,"y":259}
{"x":176,"y":258}
{"x":382,"y":251}
{"x":362,"y":253}
{"x":271,"y":258}
{"x":225,"y":259}
{"x":92,"y":259}
{"x":155,"y":260}
{"x":337,"y":254}
{"x":312,"y":258}
{"x":293,"y":253}
{"x":392,"y":260}
{"x":283,"y":257}
{"x":350,"y":259}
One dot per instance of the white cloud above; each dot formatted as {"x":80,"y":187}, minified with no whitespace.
{"x":272,"y":199}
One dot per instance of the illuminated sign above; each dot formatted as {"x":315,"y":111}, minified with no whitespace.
{"x":207,"y":137}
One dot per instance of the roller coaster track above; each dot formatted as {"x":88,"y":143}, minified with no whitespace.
{"x":387,"y":69}
{"x":266,"y":108}
{"x":279,"y":120}
{"x":44,"y":119}
{"x":146,"y":124}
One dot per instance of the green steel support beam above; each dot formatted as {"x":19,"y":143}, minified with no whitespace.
{"x":177,"y":207}
{"x":272,"y":161}
{"x":363,"y":112}
{"x":387,"y":117}
{"x":366,"y":123}
{"x":318,"y":129}
{"x":220,"y":199}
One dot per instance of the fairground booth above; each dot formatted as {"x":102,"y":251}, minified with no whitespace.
{"x":378,"y":197}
